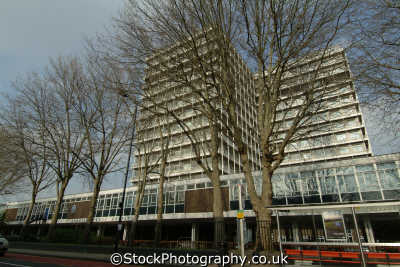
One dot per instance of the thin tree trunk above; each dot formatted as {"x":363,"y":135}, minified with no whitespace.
{"x":138,"y":201}
{"x":218,"y":208}
{"x":28,"y":216}
{"x":158,"y":228}
{"x":132,"y":231}
{"x":92,"y":210}
{"x":54,"y":217}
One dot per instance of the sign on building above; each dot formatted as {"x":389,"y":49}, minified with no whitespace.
{"x":334,"y":225}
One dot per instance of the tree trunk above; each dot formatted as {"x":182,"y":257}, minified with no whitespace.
{"x":54,"y":217}
{"x":158,"y":232}
{"x":218,"y":208}
{"x":92,"y":210}
{"x":28,"y":216}
{"x":132,"y":231}
{"x":259,"y":203}
{"x":138,"y":201}
{"x":264,"y":225}
{"x":160,"y":196}
{"x":219,"y":223}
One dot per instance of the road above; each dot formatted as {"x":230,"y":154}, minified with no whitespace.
{"x":21,"y":260}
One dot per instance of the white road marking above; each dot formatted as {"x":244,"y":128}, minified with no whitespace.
{"x":12,"y":264}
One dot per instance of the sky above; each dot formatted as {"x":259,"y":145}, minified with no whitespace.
{"x":32,"y":31}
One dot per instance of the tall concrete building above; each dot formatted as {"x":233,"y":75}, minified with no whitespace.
{"x":173,"y":78}
{"x":336,"y":129}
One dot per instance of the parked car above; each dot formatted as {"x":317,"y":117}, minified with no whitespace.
{"x":3,"y":245}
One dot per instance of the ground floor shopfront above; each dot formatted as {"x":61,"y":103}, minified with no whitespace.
{"x":377,"y":223}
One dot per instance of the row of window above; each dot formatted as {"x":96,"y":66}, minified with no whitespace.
{"x":361,"y":182}
{"x":355,"y":183}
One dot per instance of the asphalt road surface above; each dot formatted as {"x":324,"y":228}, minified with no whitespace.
{"x":21,"y":260}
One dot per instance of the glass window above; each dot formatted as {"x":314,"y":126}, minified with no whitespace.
{"x":341,"y":137}
{"x":318,"y":153}
{"x":200,"y":185}
{"x":115,"y":202}
{"x":368,"y":181}
{"x":171,"y":198}
{"x":108,"y":203}
{"x":344,"y":170}
{"x":358,"y":148}
{"x":234,"y":193}
{"x":306,"y":155}
{"x":224,"y":183}
{"x":347,"y":183}
{"x":101,"y":203}
{"x":310,"y":186}
{"x":354,"y":135}
{"x":180,"y":197}
{"x":386,"y":165}
{"x":362,"y":168}
{"x":129,"y":202}
{"x":190,"y":186}
{"x":328,"y":185}
{"x":389,"y":179}
{"x":293,"y":184}
{"x":145,"y":200}
{"x":279,"y":186}
{"x":153,"y":199}
{"x":344,"y":150}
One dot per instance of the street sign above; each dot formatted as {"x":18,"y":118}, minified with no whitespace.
{"x":240,"y":214}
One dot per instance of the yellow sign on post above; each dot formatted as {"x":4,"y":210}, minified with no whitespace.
{"x":240,"y":214}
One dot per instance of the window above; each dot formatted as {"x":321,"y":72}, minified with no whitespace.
{"x":355,"y":135}
{"x":341,"y":137}
{"x":368,"y":167}
{"x":279,"y":186}
{"x":386,"y":165}
{"x":328,"y":185}
{"x":180,"y":197}
{"x":358,"y":148}
{"x":190,"y":186}
{"x":368,"y":181}
{"x":200,"y":186}
{"x":344,"y":150}
{"x":389,"y":179}
{"x":306,"y":155}
{"x":347,"y":183}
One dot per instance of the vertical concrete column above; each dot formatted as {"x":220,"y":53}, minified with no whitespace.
{"x":296,"y":232}
{"x":99,"y":231}
{"x":125,"y":233}
{"x":194,"y":234}
{"x":368,"y":230}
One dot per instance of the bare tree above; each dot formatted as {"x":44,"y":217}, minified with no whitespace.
{"x":35,"y":157}
{"x":165,"y":138}
{"x":146,"y":30}
{"x":275,"y":38}
{"x":376,"y":59}
{"x":106,"y":122}
{"x":146,"y":165}
{"x":49,"y":100}
{"x":12,"y":168}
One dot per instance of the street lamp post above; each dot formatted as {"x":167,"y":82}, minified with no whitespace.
{"x":120,"y":226}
